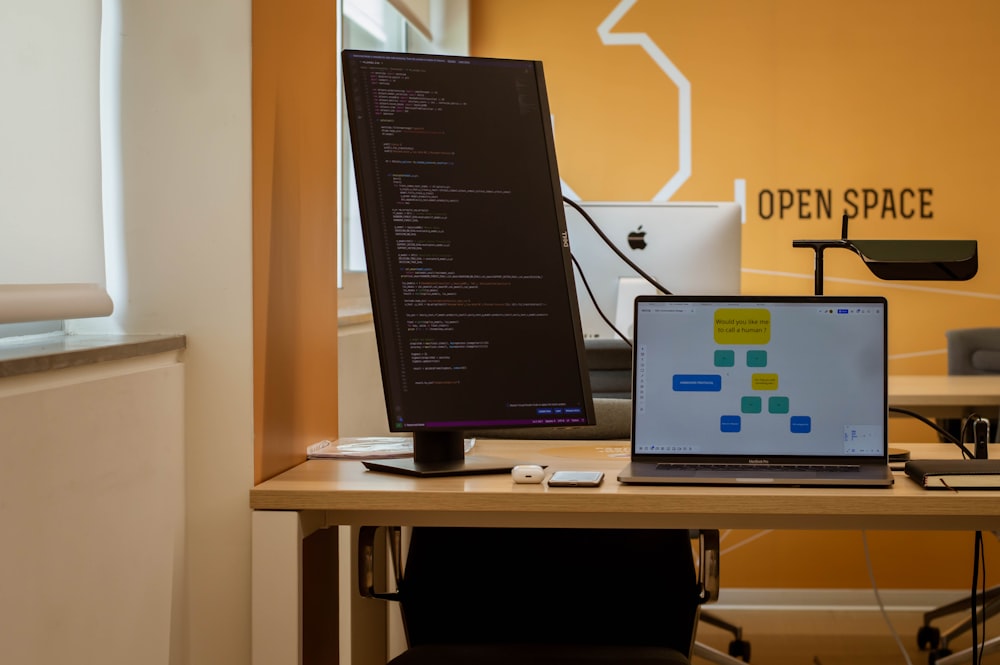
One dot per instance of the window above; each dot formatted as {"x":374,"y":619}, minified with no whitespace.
{"x":369,"y":25}
{"x":52,"y":254}
{"x":419,"y":26}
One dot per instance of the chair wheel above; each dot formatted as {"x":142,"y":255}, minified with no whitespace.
{"x":740,"y":649}
{"x":928,"y":636}
{"x":937,"y":653}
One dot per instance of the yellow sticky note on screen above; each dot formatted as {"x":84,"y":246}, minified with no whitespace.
{"x":764,"y":381}
{"x":742,"y":326}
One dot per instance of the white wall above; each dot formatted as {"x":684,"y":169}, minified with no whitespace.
{"x":186,"y":261}
{"x":92,"y":514}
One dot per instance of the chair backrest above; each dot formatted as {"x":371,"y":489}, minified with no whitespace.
{"x":973,"y":351}
{"x":634,"y":587}
{"x":609,"y":364}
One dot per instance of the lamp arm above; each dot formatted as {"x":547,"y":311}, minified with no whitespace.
{"x":818,"y":246}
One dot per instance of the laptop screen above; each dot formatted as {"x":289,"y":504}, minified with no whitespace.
{"x":742,"y":376}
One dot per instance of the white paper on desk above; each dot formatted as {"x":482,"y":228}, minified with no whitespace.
{"x":367,"y":447}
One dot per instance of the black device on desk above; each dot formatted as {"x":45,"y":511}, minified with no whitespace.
{"x":977,"y":472}
{"x":469,"y":265}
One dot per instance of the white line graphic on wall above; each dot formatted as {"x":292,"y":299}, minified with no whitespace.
{"x":876,"y":283}
{"x":674,"y":74}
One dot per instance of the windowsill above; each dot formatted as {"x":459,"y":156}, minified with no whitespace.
{"x":32,"y":356}
{"x":354,"y":306}
{"x":353,"y":311}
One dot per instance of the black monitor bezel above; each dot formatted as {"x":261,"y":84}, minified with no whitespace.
{"x":441,"y":450}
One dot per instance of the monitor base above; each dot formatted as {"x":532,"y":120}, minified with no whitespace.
{"x":468,"y":466}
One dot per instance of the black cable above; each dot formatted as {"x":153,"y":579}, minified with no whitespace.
{"x":982,"y":562}
{"x":975,"y":599}
{"x":977,"y":648}
{"x":940,"y":430}
{"x":593,"y":299}
{"x":576,"y":206}
{"x":982,"y":565}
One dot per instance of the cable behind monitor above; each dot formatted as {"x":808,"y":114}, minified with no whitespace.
{"x":631,"y":264}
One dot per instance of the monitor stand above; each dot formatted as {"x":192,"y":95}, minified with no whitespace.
{"x":441,"y":454}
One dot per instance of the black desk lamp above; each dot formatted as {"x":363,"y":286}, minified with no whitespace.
{"x":943,"y":260}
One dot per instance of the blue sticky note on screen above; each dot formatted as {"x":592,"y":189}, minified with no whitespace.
{"x":801,"y":424}
{"x":730,"y":423}
{"x":697,"y":383}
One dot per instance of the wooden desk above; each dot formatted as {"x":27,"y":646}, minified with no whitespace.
{"x":943,"y":396}
{"x":322,"y":493}
{"x":347,"y":494}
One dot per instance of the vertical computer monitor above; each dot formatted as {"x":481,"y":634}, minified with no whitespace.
{"x":465,"y":238}
{"x":689,"y":248}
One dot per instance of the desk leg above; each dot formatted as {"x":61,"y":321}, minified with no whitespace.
{"x":291,"y":625}
{"x":363,"y":636}
{"x":276,"y":592}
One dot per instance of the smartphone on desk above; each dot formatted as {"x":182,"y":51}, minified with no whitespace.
{"x":576,"y":478}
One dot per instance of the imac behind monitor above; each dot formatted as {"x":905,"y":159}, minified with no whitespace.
{"x":689,"y":248}
{"x":468,"y":262}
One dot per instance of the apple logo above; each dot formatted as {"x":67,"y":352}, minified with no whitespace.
{"x":637,"y":239}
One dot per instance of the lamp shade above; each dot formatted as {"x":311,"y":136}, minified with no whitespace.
{"x":942,"y":260}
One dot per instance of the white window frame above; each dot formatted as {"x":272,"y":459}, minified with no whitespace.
{"x":448,"y":22}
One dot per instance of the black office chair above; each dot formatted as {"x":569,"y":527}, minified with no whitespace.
{"x":973,"y":351}
{"x":614,"y":422}
{"x":609,"y":362}
{"x":545,"y":595}
{"x":609,"y":365}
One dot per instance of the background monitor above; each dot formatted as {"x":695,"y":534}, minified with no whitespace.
{"x":468,"y":259}
{"x":689,"y":248}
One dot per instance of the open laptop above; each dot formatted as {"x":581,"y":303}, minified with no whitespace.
{"x":759,"y":390}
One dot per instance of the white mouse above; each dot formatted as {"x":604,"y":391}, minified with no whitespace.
{"x":527,"y":473}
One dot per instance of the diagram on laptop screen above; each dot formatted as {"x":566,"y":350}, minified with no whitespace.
{"x":787,"y":378}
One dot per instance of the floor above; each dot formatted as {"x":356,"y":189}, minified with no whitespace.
{"x":833,"y":637}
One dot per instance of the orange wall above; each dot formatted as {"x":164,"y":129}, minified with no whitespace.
{"x":295,"y":171}
{"x":786,"y":96}
{"x":894,"y":96}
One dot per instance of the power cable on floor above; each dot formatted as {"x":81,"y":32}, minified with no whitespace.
{"x":878,"y":599}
